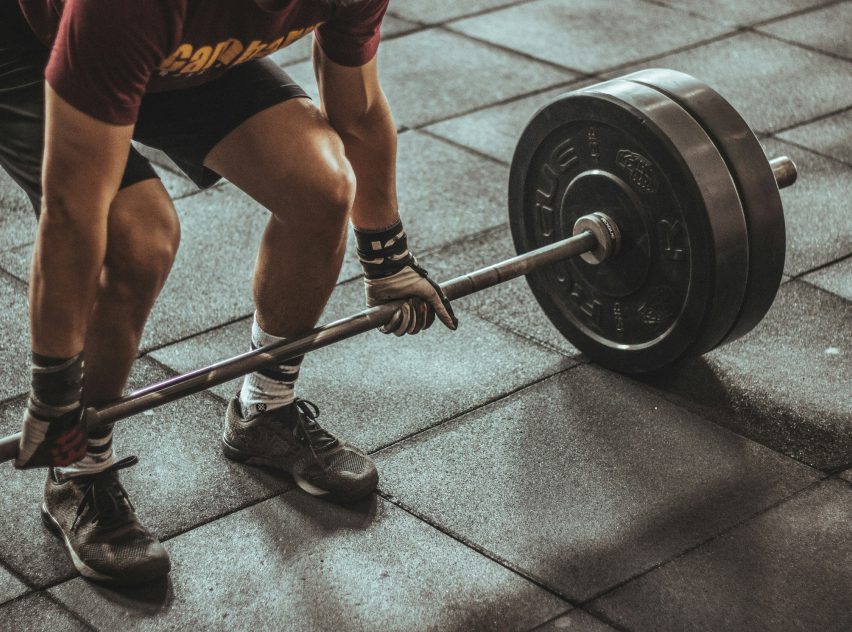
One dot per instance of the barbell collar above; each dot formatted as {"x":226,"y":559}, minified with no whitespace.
{"x":784,"y":170}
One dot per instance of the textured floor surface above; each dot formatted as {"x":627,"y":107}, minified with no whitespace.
{"x":522,"y":488}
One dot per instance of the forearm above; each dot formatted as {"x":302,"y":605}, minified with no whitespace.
{"x":66,"y":265}
{"x":371,"y":149}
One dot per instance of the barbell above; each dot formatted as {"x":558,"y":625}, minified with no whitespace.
{"x":647,"y":220}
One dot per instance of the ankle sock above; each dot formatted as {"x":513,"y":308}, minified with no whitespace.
{"x":99,"y":456}
{"x":272,"y":387}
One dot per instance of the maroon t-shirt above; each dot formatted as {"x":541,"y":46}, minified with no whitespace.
{"x":106,"y":54}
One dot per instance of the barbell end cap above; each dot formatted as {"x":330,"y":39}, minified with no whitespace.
{"x":784,"y":170}
{"x":607,"y":233}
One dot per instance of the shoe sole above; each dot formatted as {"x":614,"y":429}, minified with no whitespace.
{"x":84,"y":569}
{"x":240,"y":456}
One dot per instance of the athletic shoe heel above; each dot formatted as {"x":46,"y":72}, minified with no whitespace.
{"x":233,"y":453}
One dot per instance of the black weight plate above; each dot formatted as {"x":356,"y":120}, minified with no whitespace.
{"x":755,"y":182}
{"x":633,"y":153}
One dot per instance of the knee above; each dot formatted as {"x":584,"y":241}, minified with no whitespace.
{"x":138,"y":260}
{"x":320,"y":196}
{"x":333,"y":191}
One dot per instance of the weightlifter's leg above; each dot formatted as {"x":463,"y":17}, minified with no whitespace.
{"x":142,"y":240}
{"x":289,"y":159}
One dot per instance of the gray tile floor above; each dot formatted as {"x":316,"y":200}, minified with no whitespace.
{"x":522,"y":489}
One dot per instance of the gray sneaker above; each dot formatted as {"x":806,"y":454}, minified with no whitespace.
{"x":93,"y":516}
{"x":290,"y":439}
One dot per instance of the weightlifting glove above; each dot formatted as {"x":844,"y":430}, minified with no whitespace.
{"x":392,"y":273}
{"x":54,"y":428}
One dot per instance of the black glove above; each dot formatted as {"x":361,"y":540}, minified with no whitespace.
{"x":392,"y":273}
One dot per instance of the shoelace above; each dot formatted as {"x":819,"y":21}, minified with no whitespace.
{"x":103,"y":494}
{"x":316,"y":437}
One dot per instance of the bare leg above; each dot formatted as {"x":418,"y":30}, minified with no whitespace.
{"x":290,"y":160}
{"x":143,"y":236}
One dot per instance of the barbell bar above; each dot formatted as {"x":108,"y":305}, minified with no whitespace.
{"x":202,"y":379}
{"x":597,"y":234}
{"x":606,"y":226}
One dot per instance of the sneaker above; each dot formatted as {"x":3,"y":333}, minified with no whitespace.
{"x":290,"y":439}
{"x":97,"y":522}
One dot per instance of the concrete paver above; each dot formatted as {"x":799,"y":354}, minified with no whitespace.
{"x":309,"y":565}
{"x":376,"y":389}
{"x":763,"y":78}
{"x":826,"y":29}
{"x":819,"y":228}
{"x":436,"y":11}
{"x":17,"y":220}
{"x":576,"y":620}
{"x":301,"y":50}
{"x":10,"y":587}
{"x":743,"y":13}
{"x":495,"y":131}
{"x":182,"y":480}
{"x":829,"y":136}
{"x":788,"y":569}
{"x":424,"y":87}
{"x":609,"y":478}
{"x":784,"y":384}
{"x":571,"y":33}
{"x":36,"y":613}
{"x":15,"y":339}
{"x":836,"y":278}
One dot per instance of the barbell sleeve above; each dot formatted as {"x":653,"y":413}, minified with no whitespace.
{"x":204,"y":378}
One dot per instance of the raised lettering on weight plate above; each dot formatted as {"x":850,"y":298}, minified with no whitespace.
{"x":544,"y":196}
{"x":618,"y":317}
{"x":594,"y":147}
{"x":672,"y":240}
{"x":592,"y":308}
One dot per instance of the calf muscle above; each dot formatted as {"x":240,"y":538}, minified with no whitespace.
{"x":83,"y":162}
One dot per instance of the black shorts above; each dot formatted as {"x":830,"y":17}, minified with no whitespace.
{"x":185,"y":124}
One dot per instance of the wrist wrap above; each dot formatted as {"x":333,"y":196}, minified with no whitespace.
{"x":383,"y":252}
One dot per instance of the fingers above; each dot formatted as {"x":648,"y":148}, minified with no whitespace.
{"x":443,"y":310}
{"x":412,"y":318}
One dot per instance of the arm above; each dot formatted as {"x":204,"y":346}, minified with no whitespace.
{"x":356,"y":106}
{"x":83,"y":163}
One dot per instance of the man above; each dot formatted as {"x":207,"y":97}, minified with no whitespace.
{"x":188,"y":77}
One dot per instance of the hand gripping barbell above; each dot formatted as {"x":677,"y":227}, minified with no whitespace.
{"x":648,"y":222}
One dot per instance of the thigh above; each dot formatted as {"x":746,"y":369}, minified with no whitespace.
{"x":188,"y":123}
{"x":286,"y":152}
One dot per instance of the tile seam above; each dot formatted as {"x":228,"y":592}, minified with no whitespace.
{"x":796,"y":13}
{"x":67,"y":608}
{"x":456,"y":417}
{"x":470,"y":544}
{"x":475,"y":14}
{"x":723,"y":532}
{"x":703,"y":412}
{"x":802,"y":45}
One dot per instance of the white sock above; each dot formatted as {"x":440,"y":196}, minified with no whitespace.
{"x":272,"y":387}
